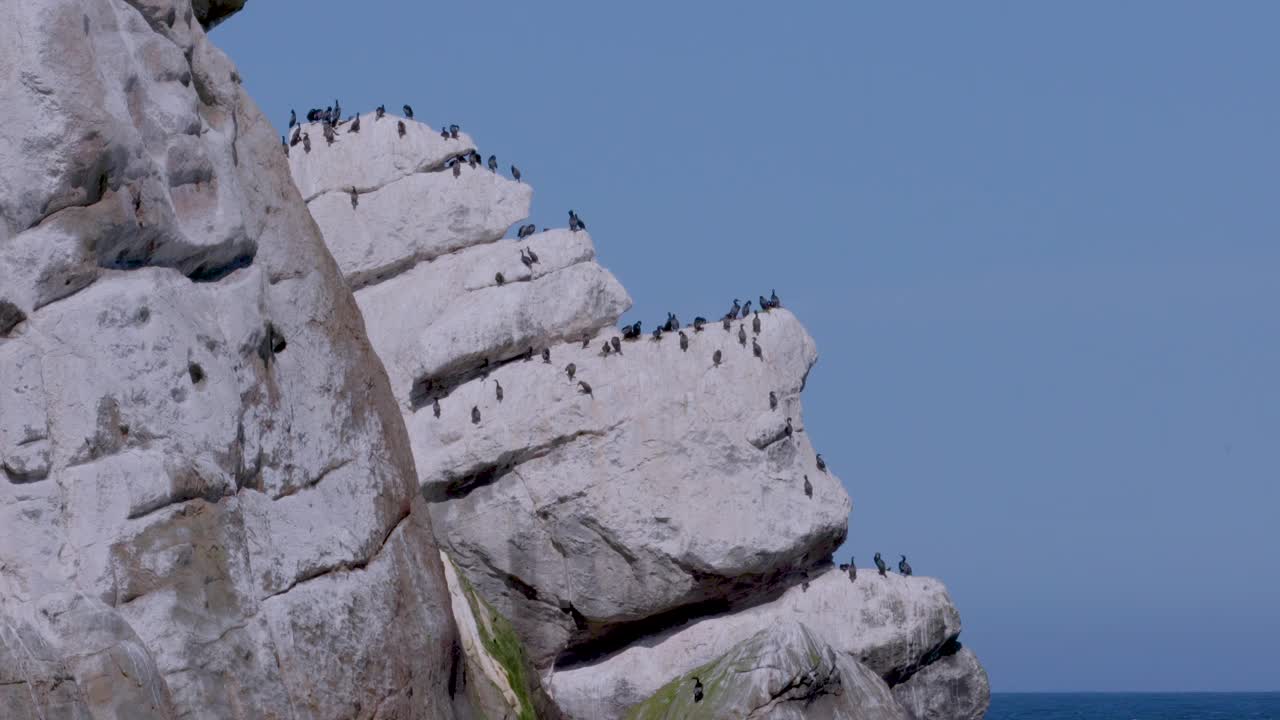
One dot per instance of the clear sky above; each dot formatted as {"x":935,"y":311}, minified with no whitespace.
{"x":1038,"y":247}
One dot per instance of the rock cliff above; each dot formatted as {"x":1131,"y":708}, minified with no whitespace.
{"x":208,"y":503}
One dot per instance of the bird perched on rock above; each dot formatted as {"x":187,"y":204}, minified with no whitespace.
{"x":698,"y":322}
{"x":604,"y":349}
{"x":575,"y":223}
{"x":408,"y":112}
{"x":746,"y":309}
{"x":773,"y":401}
{"x":822,"y":464}
{"x":337,"y":111}
{"x":808,"y":487}
{"x":528,"y":261}
{"x":742,"y":335}
{"x":457,"y":168}
{"x":475,"y":415}
{"x":684,"y":342}
{"x":497,"y":277}
{"x":733,"y":311}
{"x":355,"y":125}
{"x":328,"y":134}
{"x":435,"y":407}
{"x":378,"y":112}
{"x":880,"y":566}
{"x":728,"y":323}
{"x":755,"y":322}
{"x":297,"y":136}
{"x":629,"y":332}
{"x":444,"y":132}
{"x":532,"y":255}
{"x":453,"y":131}
{"x":284,"y":143}
{"x":546,"y":355}
{"x":788,"y":429}
{"x":657,"y":333}
{"x":474,"y":159}
{"x":715,"y":358}
{"x":497,"y":389}
{"x":697,"y":689}
{"x":586,"y":340}
{"x":355,"y":197}
{"x":528,"y":354}
{"x":774,"y":302}
{"x":400,"y":128}
{"x":570,"y":370}
{"x":493,"y":163}
{"x":755,"y":349}
{"x":904,"y":567}
{"x":584,"y":388}
{"x":515,"y":173}
{"x":616,"y":343}
{"x":853,"y":570}
{"x":293,"y":118}
{"x":764,"y":304}
{"x":306,"y":142}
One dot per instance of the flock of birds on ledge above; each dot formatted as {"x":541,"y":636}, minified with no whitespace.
{"x":331,"y":120}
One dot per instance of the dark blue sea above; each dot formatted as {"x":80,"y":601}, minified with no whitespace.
{"x":1134,"y":706}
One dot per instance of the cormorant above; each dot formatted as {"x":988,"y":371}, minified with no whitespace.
{"x":355,"y":125}
{"x":528,"y":354}
{"x":493,"y":163}
{"x":408,"y":112}
{"x":773,"y":299}
{"x":746,"y":309}
{"x":635,"y":330}
{"x":435,"y":407}
{"x":697,"y":689}
{"x":378,"y":112}
{"x":337,"y":111}
{"x":684,"y":341}
{"x":284,"y":143}
{"x":293,"y":118}
{"x":515,"y":173}
{"x":755,"y":349}
{"x":312,"y":114}
{"x":604,"y":349}
{"x":733,"y":311}
{"x":497,"y":277}
{"x":355,"y":197}
{"x":788,"y":430}
{"x":444,"y":132}
{"x":822,"y":464}
{"x":657,"y":333}
{"x":670,"y":324}
{"x":328,"y":134}
{"x":755,"y":322}
{"x":453,"y":131}
{"x":715,"y":358}
{"x":297,"y":136}
{"x":497,"y":389}
{"x":475,"y":415}
{"x":546,"y":355}
{"x":570,"y":370}
{"x":616,"y":343}
{"x":764,"y":304}
{"x":773,"y":401}
{"x":586,"y":340}
{"x":727,"y":323}
{"x":698,"y":322}
{"x":471,"y":159}
{"x":457,"y":168}
{"x":306,"y":142}
{"x":904,"y":567}
{"x":532,"y":255}
{"x":880,"y":564}
{"x":400,"y":127}
{"x":584,"y":388}
{"x":853,"y":570}
{"x":808,"y":487}
{"x":742,"y":335}
{"x":528,"y":261}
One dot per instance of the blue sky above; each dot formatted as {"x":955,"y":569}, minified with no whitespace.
{"x":1038,"y":247}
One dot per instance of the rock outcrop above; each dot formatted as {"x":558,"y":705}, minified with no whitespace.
{"x":208,"y":504}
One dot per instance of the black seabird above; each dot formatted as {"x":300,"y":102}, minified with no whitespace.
{"x":773,"y":401}
{"x":755,"y":349}
{"x":378,"y":112}
{"x":400,"y":127}
{"x":293,"y":118}
{"x":284,"y":143}
{"x":297,"y":136}
{"x":742,"y":335}
{"x":355,"y":125}
{"x":584,"y":388}
{"x":497,"y":277}
{"x":788,"y":430}
{"x":698,"y":322}
{"x":635,"y":330}
{"x":586,"y":340}
{"x":337,"y":111}
{"x":880,"y":564}
{"x":764,"y":304}
{"x":528,"y":261}
{"x":493,"y":163}
{"x":444,"y":132}
{"x":670,"y":324}
{"x":312,"y":114}
{"x":546,"y":355}
{"x":616,"y":343}
{"x":697,"y":689}
{"x":328,"y":134}
{"x":497,"y":389}
{"x":457,"y":168}
{"x":684,"y":341}
{"x":355,"y":197}
{"x":755,"y":322}
{"x":715,"y":358}
{"x":822,"y":464}
{"x":475,"y":415}
{"x":733,"y":311}
{"x":528,"y":354}
{"x":453,"y":131}
{"x":746,"y":309}
{"x":774,"y":302}
{"x":408,"y":112}
{"x":604,"y":349}
{"x":853,"y":570}
{"x":904,"y":567}
{"x":657,"y":333}
{"x":532,"y":255}
{"x":808,"y":487}
{"x":435,"y":407}
{"x":570,"y":370}
{"x":515,"y":173}
{"x":728,"y":323}
{"x":306,"y":142}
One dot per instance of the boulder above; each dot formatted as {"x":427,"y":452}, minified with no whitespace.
{"x":953,"y":687}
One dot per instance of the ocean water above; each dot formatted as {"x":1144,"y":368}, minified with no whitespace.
{"x":1134,"y":706}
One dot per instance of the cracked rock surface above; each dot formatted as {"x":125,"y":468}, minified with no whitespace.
{"x":208,"y":505}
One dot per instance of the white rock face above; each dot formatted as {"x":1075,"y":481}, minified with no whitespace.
{"x":207,"y":499}
{"x":888,"y":624}
{"x":954,"y":686}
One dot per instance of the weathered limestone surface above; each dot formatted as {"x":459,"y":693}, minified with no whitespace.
{"x":208,"y":505}
{"x":888,"y":624}
{"x":954,"y":686}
